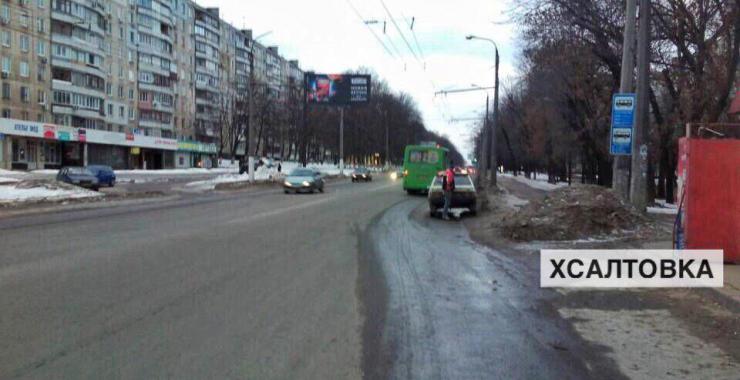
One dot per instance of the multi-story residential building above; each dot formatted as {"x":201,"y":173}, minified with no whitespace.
{"x":25,"y":77}
{"x":207,"y":34}
{"x":128,"y":83}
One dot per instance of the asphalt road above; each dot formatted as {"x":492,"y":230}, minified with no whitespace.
{"x":264,"y":285}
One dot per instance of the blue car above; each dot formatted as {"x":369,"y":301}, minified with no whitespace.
{"x":105,"y":174}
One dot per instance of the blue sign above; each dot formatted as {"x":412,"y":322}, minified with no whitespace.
{"x":623,"y":122}
{"x":2,"y":136}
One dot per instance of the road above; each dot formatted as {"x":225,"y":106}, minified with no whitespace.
{"x":267,"y":285}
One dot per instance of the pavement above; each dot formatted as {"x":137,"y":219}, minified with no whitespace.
{"x":354,"y":283}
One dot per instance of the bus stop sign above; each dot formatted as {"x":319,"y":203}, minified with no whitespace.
{"x":623,"y":120}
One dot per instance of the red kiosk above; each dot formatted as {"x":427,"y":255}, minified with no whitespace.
{"x":709,"y":189}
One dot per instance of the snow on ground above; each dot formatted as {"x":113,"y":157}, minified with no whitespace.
{"x":540,"y":183}
{"x":10,"y":194}
{"x":6,"y":180}
{"x":663,"y":208}
{"x":264,"y":173}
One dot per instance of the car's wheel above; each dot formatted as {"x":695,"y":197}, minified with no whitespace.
{"x":432,"y":212}
{"x":321,"y":189}
{"x":286,"y":191}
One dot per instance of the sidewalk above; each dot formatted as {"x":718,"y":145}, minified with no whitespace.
{"x":732,"y":272}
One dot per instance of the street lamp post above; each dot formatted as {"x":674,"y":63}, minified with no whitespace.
{"x":252,"y":142}
{"x":493,"y":161}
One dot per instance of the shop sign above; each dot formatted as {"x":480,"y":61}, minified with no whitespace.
{"x":50,"y":132}
{"x":195,"y":146}
{"x":135,"y":151}
{"x":62,"y":133}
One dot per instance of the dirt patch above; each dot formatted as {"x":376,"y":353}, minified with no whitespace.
{"x":572,"y":213}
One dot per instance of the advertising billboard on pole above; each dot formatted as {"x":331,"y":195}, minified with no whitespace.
{"x":337,"y":89}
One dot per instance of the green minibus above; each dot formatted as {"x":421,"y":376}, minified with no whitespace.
{"x":421,"y":163}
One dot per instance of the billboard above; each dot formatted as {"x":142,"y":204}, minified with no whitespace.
{"x":337,"y":89}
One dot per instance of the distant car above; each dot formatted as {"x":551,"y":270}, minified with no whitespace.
{"x":78,"y":176}
{"x":105,"y":174}
{"x":362,"y":174}
{"x":464,"y":195}
{"x":303,"y":179}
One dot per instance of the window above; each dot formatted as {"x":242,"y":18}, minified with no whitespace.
{"x":25,"y":96}
{"x":131,"y":94}
{"x":108,"y":89}
{"x":23,"y":18}
{"x":6,"y":113}
{"x":121,"y":112}
{"x":40,"y":25}
{"x":110,"y":109}
{"x":40,"y":3}
{"x":41,"y":97}
{"x":5,"y":13}
{"x":40,"y":73}
{"x":7,"y":65}
{"x":120,"y":91}
{"x":6,"y":90}
{"x":41,"y":48}
{"x":25,"y":72}
{"x":25,"y":43}
{"x":5,"y":38}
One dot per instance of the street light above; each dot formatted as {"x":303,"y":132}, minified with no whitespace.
{"x":252,"y":143}
{"x":493,"y":160}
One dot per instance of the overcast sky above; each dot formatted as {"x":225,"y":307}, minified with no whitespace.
{"x":328,"y":36}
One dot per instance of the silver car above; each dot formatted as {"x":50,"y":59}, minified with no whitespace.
{"x":303,"y":180}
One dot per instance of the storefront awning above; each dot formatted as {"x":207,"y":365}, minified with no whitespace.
{"x":53,"y":132}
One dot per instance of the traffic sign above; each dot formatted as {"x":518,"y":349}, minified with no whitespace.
{"x":623,"y":122}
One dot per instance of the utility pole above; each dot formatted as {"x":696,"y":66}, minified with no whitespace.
{"x":620,"y":171}
{"x":641,"y":135}
{"x":495,"y":126}
{"x":387,"y":140}
{"x":341,"y":140}
{"x":481,"y":179}
{"x":251,"y":143}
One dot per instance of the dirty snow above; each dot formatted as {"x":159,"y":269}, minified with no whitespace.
{"x":663,"y":208}
{"x":652,"y":344}
{"x":6,"y":180}
{"x":10,"y":194}
{"x":540,"y":183}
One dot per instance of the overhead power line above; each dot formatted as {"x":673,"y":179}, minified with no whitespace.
{"x":380,"y":41}
{"x":398,"y":29}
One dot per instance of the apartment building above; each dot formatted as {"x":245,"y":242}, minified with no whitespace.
{"x":127,"y":83}
{"x":24,"y":77}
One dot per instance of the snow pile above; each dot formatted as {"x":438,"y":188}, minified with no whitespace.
{"x":40,"y":190}
{"x":663,"y":208}
{"x":263,"y":173}
{"x":572,"y":213}
{"x":6,"y":180}
{"x":540,"y":183}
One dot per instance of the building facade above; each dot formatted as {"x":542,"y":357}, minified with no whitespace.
{"x":127,"y":83}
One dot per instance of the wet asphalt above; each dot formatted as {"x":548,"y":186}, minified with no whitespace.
{"x":452,"y":309}
{"x":355,"y":283}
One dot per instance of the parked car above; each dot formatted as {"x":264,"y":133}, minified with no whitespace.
{"x":105,"y":174}
{"x":303,"y":179}
{"x":78,"y":176}
{"x":464,"y":195}
{"x":362,"y":174}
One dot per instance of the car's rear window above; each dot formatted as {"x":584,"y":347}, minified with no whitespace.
{"x":460,"y":180}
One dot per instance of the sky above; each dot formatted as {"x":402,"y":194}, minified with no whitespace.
{"x":329,"y":36}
